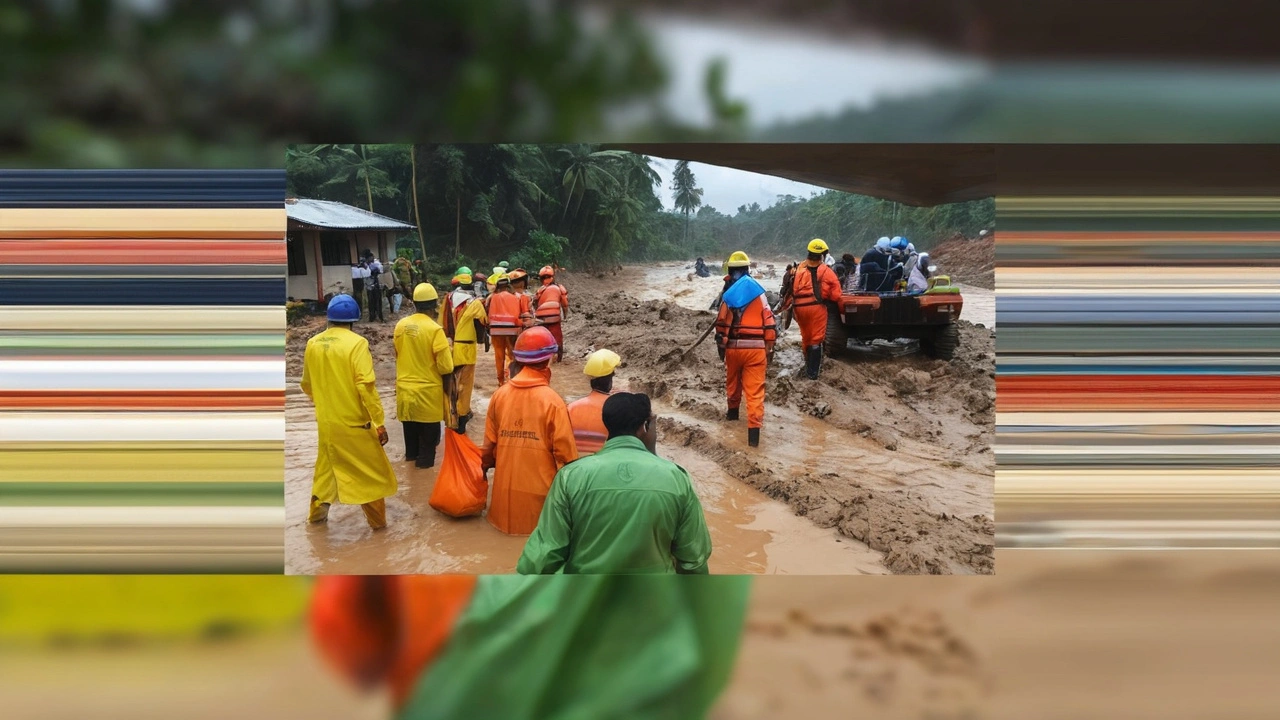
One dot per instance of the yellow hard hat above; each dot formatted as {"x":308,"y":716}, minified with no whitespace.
{"x":816,"y":245}
{"x":463,"y":278}
{"x":601,"y":363}
{"x":425,"y":292}
{"x":738,"y":259}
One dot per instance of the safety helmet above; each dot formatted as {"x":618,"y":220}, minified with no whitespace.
{"x":504,"y":265}
{"x":425,"y":292}
{"x":464,"y":278}
{"x":898,"y":242}
{"x":535,"y":345}
{"x":498,"y":270}
{"x":883,"y":243}
{"x":499,"y":278}
{"x":911,"y":247}
{"x":601,"y":363}
{"x":464,"y":270}
{"x":479,"y":276}
{"x":546,"y":270}
{"x":816,"y":245}
{"x":738,"y":259}
{"x":517,"y":275}
{"x":343,"y":308}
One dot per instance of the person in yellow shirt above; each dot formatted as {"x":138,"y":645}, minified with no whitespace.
{"x":424,"y":367}
{"x":464,"y":320}
{"x":351,"y":466}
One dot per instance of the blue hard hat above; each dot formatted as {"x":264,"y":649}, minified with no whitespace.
{"x":898,"y":242}
{"x":343,"y":308}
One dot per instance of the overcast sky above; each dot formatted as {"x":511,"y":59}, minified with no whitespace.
{"x":725,"y":188}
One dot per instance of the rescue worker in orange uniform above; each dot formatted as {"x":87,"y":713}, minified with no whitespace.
{"x":527,"y":437}
{"x":551,"y":303}
{"x":814,"y":288}
{"x":520,"y":286}
{"x":587,"y":414}
{"x":745,"y":334}
{"x":504,"y":323}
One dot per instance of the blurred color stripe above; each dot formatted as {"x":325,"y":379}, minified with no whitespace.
{"x":142,"y":372}
{"x":1138,"y":372}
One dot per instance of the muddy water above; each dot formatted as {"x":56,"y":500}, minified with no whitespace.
{"x":750,"y":532}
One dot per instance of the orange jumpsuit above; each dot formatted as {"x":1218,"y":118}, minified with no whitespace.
{"x":586,"y":416}
{"x":527,"y":439}
{"x":810,"y":310}
{"x":505,"y":309}
{"x":746,"y":338}
{"x":551,"y":301}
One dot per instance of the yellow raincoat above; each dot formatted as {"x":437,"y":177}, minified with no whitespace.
{"x":337,"y":374}
{"x":422,"y":356}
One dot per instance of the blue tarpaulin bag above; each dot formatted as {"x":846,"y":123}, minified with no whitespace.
{"x":742,"y":292}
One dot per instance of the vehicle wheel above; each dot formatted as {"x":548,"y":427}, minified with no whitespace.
{"x":837,"y":334}
{"x":942,"y":345}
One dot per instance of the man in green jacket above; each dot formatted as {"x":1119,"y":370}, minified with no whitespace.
{"x":622,"y":510}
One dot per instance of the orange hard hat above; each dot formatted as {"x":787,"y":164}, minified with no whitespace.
{"x":535,"y":345}
{"x":546,"y":270}
{"x":517,"y":275}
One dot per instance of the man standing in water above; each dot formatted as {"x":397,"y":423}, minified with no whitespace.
{"x":424,"y":369}
{"x":527,"y":436}
{"x":337,"y":374}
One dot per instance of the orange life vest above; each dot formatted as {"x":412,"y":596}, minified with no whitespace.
{"x":803,"y":290}
{"x":751,"y":327}
{"x":586,"y":415}
{"x":550,"y":299}
{"x":504,"y":314}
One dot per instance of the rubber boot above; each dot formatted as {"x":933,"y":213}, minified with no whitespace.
{"x":732,"y":414}
{"x":812,"y":361}
{"x":753,"y":437}
{"x":462,"y":423}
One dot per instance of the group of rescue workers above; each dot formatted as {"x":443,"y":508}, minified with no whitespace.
{"x":747,"y":329}
{"x":559,"y":469}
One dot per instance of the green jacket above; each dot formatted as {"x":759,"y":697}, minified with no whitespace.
{"x":620,"y":511}
{"x":587,"y":648}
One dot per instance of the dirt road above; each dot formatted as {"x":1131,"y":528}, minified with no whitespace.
{"x":881,"y":466}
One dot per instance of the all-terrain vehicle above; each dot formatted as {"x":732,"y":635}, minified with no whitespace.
{"x":928,"y":317}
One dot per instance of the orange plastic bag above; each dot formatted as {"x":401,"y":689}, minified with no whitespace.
{"x":461,"y":489}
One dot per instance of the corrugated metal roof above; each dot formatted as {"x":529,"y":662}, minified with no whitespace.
{"x":339,"y":216}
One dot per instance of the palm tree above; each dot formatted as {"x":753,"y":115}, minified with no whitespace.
{"x":585,"y":170}
{"x":686,"y":195}
{"x":413,"y":182}
{"x":356,"y":162}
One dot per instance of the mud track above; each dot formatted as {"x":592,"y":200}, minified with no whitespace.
{"x":891,"y":449}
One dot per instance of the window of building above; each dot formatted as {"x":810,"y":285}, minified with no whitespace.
{"x":297,"y":256}
{"x":335,"y":249}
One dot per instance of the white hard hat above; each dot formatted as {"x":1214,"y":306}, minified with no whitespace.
{"x":883,"y":243}
{"x":911,"y":247}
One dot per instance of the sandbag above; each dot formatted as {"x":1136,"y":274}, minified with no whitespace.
{"x":461,"y":489}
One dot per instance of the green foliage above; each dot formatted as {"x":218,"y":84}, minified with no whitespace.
{"x":587,"y":208}
{"x":543,"y":248}
{"x":294,"y":312}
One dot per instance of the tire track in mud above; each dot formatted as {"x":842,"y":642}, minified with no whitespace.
{"x":944,"y":411}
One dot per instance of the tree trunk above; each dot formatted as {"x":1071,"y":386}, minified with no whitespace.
{"x":457,"y":229}
{"x":417,"y":217}
{"x":368,"y":189}
{"x":686,"y":228}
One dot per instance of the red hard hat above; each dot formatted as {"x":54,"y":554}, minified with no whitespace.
{"x":535,"y":345}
